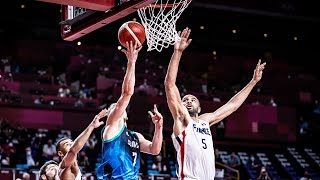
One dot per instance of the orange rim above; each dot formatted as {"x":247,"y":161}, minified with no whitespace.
{"x":165,"y":5}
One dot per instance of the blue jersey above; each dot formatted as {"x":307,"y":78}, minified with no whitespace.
{"x":120,"y":157}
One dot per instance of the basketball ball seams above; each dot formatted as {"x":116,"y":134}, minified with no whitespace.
{"x":132,"y":34}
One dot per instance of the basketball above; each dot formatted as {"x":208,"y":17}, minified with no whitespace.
{"x":131,"y":31}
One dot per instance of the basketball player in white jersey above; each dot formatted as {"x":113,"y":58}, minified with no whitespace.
{"x":68,"y":150}
{"x":191,"y":136}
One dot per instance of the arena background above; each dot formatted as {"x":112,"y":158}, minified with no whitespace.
{"x":52,"y":88}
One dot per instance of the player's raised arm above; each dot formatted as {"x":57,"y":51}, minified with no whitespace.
{"x":80,"y":141}
{"x":236,"y":101}
{"x":178,"y":111}
{"x":127,"y":85}
{"x":153,"y":147}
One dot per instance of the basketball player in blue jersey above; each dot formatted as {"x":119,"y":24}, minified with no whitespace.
{"x":121,"y":147}
{"x":68,"y":150}
{"x":191,"y":136}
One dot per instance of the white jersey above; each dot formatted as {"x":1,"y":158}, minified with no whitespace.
{"x":195,"y":154}
{"x":79,"y":176}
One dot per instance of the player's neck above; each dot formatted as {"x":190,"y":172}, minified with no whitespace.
{"x":195,"y":118}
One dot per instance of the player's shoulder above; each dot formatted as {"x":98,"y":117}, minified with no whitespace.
{"x":203,"y":122}
{"x":132,"y":132}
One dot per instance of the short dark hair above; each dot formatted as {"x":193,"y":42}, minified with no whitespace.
{"x":58,"y":143}
{"x":44,"y":167}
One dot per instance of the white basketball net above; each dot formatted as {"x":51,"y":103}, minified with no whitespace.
{"x":160,"y":22}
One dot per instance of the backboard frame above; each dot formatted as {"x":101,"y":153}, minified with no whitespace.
{"x":72,"y":29}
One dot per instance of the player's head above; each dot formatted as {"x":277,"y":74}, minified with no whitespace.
{"x":63,"y":146}
{"x":25,"y":176}
{"x":112,"y":107}
{"x":263,"y":171}
{"x":192,"y":104}
{"x":49,"y":170}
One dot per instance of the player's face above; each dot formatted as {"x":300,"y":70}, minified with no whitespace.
{"x":191,"y":103}
{"x":65,"y":145}
{"x":51,"y":171}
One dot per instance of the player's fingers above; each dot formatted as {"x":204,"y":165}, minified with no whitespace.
{"x":131,"y":46}
{"x":102,"y":111}
{"x":99,"y":115}
{"x":188,"y":33}
{"x":262,"y":66}
{"x":259,"y":63}
{"x":135,"y":45}
{"x":179,"y":33}
{"x":139,"y":48}
{"x":184,"y":32}
{"x":150,"y":113}
{"x":189,"y":41}
{"x":155,"y":108}
{"x":124,"y":51}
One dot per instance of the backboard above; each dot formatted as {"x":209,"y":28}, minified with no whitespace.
{"x":81,"y":17}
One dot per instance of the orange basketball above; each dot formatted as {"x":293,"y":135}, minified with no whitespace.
{"x":131,"y":31}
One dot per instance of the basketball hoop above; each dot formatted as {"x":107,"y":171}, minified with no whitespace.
{"x":159,"y":20}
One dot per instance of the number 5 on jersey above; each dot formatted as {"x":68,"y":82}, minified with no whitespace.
{"x":204,"y":144}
